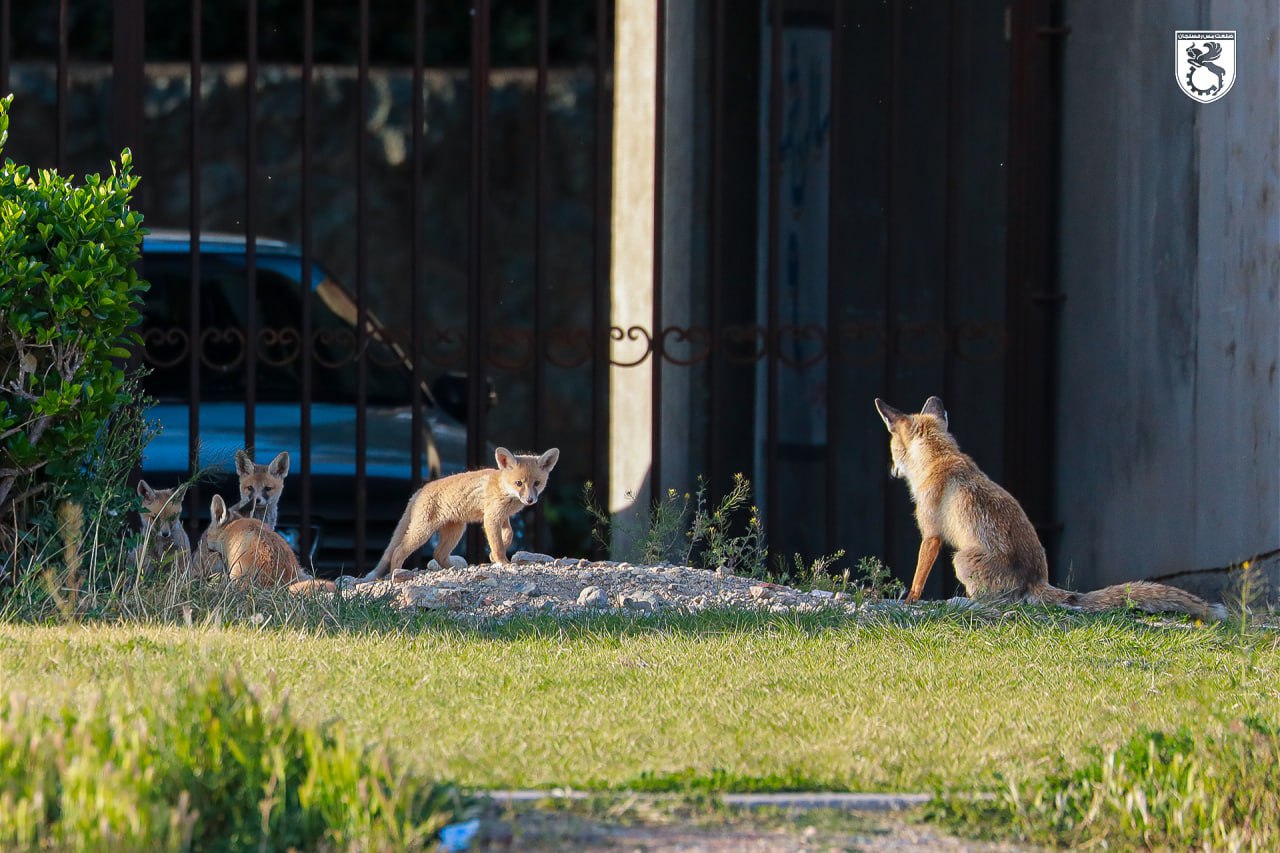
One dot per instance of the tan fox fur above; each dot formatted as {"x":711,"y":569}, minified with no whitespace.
{"x":253,"y":554}
{"x":998,"y":555}
{"x":164,"y":541}
{"x":261,"y":486}
{"x":489,"y":496}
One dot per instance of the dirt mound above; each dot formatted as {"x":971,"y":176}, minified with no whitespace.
{"x":537,"y":583}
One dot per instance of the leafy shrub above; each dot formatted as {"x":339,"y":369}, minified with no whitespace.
{"x":684,"y":529}
{"x":217,"y":769}
{"x":68,"y":297}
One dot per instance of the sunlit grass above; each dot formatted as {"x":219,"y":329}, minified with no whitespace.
{"x":903,"y":703}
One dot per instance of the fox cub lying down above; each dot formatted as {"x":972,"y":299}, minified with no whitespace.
{"x":998,"y":554}
{"x":253,"y":554}
{"x":489,"y":496}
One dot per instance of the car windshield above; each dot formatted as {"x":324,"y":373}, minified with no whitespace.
{"x":223,"y":309}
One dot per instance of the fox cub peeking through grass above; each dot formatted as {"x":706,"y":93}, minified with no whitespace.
{"x":261,"y":486}
{"x":254,"y":554}
{"x":164,"y":540}
{"x":489,"y":496}
{"x":998,"y":555}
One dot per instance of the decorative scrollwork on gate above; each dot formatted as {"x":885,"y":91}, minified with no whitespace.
{"x":515,"y":348}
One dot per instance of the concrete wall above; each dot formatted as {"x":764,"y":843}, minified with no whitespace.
{"x":1169,"y":399}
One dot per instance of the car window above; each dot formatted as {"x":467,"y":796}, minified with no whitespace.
{"x":222,"y":344}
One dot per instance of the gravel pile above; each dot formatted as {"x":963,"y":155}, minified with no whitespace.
{"x":537,"y":583}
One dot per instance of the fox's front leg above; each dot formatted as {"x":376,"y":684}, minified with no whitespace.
{"x":929,"y":547}
{"x":494,"y":531}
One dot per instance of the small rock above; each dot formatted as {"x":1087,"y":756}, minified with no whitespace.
{"x":530,"y":589}
{"x":645,"y":602}
{"x":402,"y":575}
{"x":759,"y":592}
{"x":429,"y":598}
{"x":545,"y":604}
{"x":346,"y":581}
{"x":593,"y":596}
{"x":457,"y":562}
{"x":822,"y":593}
{"x":723,"y":571}
{"x":842,"y":596}
{"x":531,"y":557}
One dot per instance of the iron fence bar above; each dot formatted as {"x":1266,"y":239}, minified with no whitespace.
{"x":477,"y":269}
{"x":539,"y":256}
{"x":63,"y":84}
{"x":250,"y":236}
{"x":193,"y":242}
{"x":5,"y":58}
{"x":659,"y":171}
{"x":304,"y":413}
{"x":128,"y":78}
{"x":416,"y":448}
{"x":890,"y":211}
{"x":600,"y":235}
{"x":715,"y":235}
{"x":362,"y":287}
{"x":956,"y":51}
{"x":833,"y":306}
{"x":1031,"y":325}
{"x":772,"y":273}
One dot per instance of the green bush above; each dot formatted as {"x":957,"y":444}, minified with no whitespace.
{"x":217,"y":769}
{"x":68,"y":297}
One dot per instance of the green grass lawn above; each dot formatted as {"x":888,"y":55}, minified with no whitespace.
{"x":904,"y":704}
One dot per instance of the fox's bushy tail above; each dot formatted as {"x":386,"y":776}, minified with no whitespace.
{"x":1144,"y":595}
{"x":402,"y":527}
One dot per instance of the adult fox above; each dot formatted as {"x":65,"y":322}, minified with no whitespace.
{"x":489,"y":496}
{"x":998,"y":555}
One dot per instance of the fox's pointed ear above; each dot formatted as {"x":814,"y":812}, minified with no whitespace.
{"x":548,"y":460}
{"x":933,"y":406}
{"x":244,"y":463}
{"x":888,"y":414}
{"x":279,"y":466}
{"x":505,"y":458}
{"x":217,"y":511}
{"x":145,"y":490}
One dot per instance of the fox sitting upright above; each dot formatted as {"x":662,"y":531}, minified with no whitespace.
{"x":163,"y":538}
{"x":261,"y":486}
{"x":998,"y":555}
{"x":254,"y":554}
{"x":489,"y":496}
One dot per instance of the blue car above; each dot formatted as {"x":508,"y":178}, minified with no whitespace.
{"x":220,"y":407}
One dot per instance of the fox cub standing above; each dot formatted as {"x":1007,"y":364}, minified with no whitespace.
{"x":489,"y":496}
{"x":260,"y":486}
{"x":253,"y":553}
{"x":998,"y":555}
{"x":163,"y":538}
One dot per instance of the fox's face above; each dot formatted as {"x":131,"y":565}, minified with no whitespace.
{"x":161,"y":514}
{"x":260,"y":485}
{"x":906,"y":431}
{"x":524,"y":477}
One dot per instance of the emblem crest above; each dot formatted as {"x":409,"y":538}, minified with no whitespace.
{"x":1205,"y":63}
